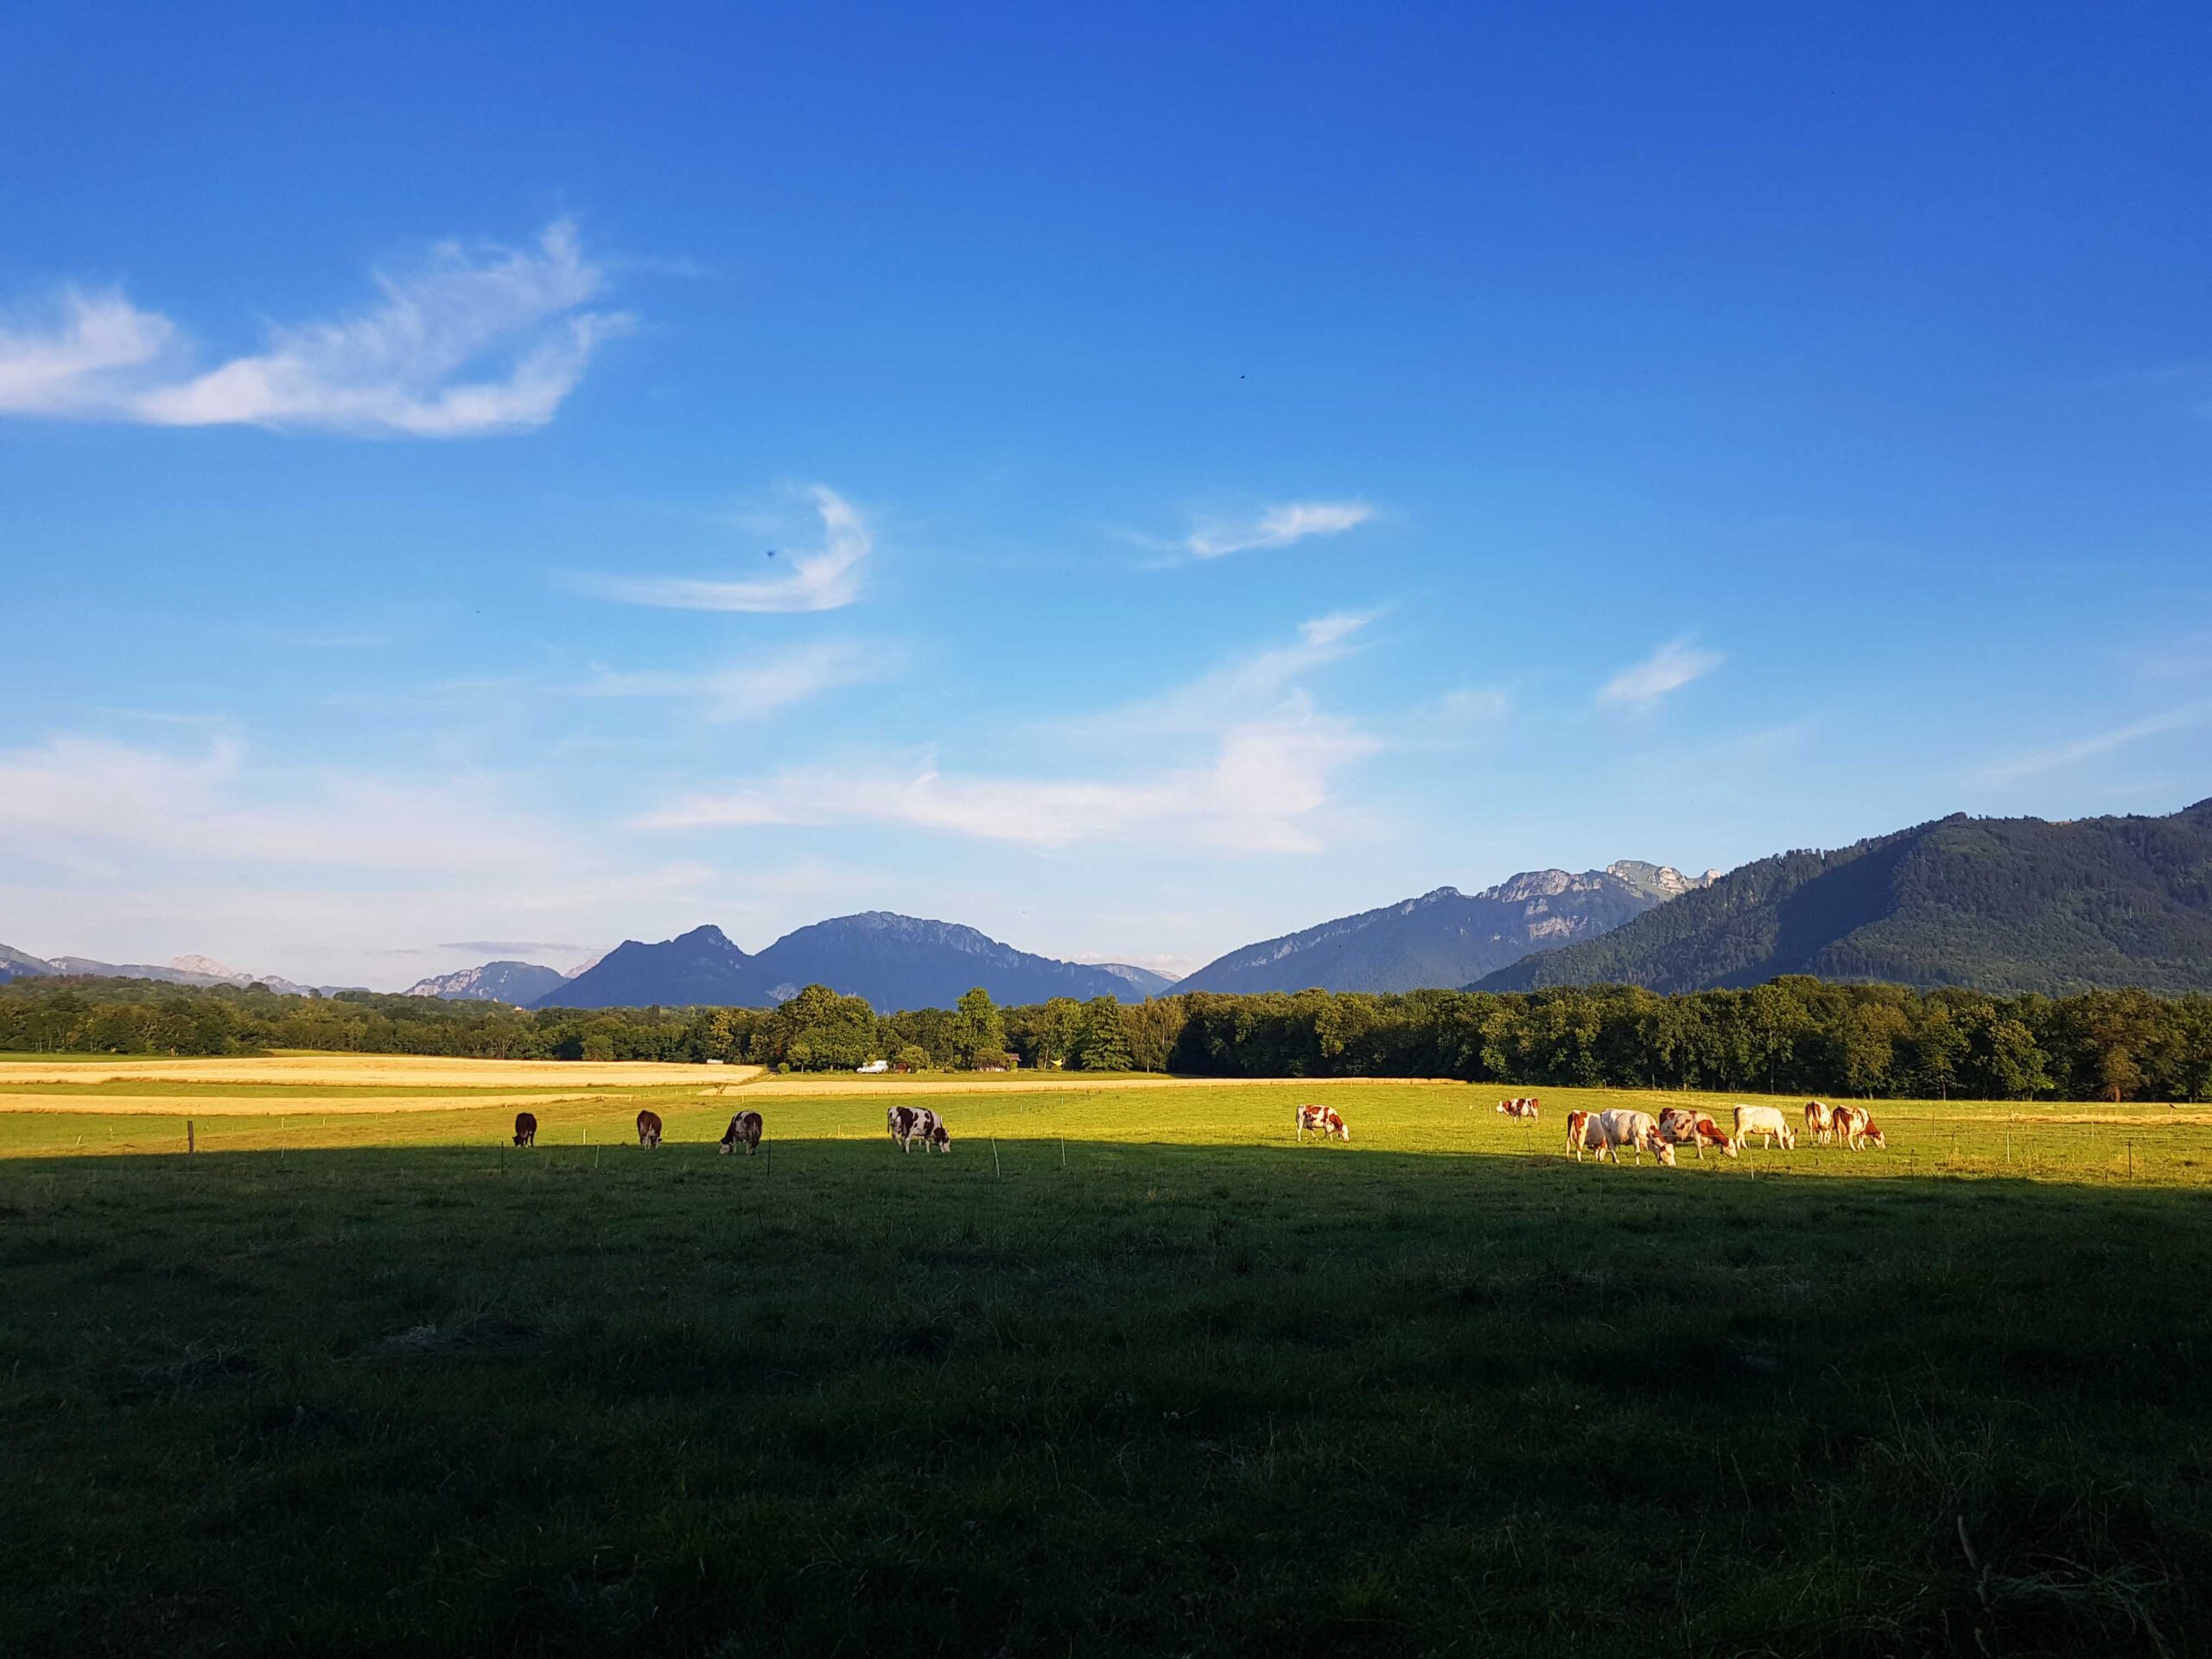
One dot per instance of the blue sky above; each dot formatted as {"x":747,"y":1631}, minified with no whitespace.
{"x":1225,"y":467}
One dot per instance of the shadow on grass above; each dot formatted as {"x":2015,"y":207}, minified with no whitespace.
{"x":1159,"y":1398}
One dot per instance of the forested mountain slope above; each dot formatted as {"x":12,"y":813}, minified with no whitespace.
{"x":2003,"y":904}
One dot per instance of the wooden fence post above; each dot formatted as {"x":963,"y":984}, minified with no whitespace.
{"x":188,"y":1137}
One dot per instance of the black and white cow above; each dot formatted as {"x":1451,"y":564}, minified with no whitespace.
{"x":911,"y":1123}
{"x":744,"y":1131}
{"x":649,"y":1130}
{"x":525,"y":1129}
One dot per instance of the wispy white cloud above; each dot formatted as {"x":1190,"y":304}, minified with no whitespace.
{"x":514,"y":947}
{"x":1246,"y":687}
{"x":1256,"y":794}
{"x":477,"y":339}
{"x":1259,"y":766}
{"x":69,"y":356}
{"x":824,"y":579}
{"x":755,"y":688}
{"x":1278,"y":526}
{"x":1671,"y":667}
{"x":2059,"y":756}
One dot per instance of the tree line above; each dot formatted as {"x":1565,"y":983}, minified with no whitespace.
{"x":1792,"y":1035}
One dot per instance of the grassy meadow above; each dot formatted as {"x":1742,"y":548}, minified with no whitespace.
{"x":1129,"y":1371}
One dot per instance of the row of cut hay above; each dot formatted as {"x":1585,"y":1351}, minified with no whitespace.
{"x":418,"y":1070}
{"x":278,"y":1105}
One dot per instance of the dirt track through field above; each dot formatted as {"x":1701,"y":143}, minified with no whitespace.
{"x":213,"y":1106}
{"x":1031,"y":1085}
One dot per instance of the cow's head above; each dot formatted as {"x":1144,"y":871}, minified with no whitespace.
{"x":1727,"y":1145}
{"x":1662,"y":1150}
{"x":941,"y":1138}
{"x":1873,"y":1135}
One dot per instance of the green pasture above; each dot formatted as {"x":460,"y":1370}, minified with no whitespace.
{"x":2136,"y":1143}
{"x":1128,"y":1373}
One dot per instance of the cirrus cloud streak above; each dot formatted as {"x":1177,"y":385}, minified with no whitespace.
{"x":476,"y":339}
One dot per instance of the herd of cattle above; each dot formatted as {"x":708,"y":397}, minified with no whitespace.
{"x":908,"y":1124}
{"x":744,"y":1131}
{"x":1604,"y":1132}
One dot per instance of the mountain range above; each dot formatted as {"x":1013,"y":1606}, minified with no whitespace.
{"x":1447,"y":938}
{"x":178,"y":971}
{"x":2002,"y":904}
{"x":895,"y":962}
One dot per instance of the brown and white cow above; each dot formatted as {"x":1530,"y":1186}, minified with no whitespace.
{"x":911,"y":1123}
{"x":649,"y":1130}
{"x":1578,"y":1134}
{"x":1522,"y":1106}
{"x":1855,"y":1128}
{"x":744,"y":1131}
{"x":525,"y":1129}
{"x":1685,"y":1126}
{"x":1325,"y":1121}
{"x":1819,"y":1119}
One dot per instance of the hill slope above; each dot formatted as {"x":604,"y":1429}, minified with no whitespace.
{"x":1445,"y":937}
{"x":699,"y":967}
{"x":895,"y":962}
{"x":2003,"y":904}
{"x":21,"y":964}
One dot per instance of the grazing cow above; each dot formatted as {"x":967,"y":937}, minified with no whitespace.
{"x":744,"y":1131}
{"x":1855,"y":1128}
{"x":1684,"y":1126}
{"x":1577,"y":1134}
{"x":649,"y":1130}
{"x":1325,"y":1121}
{"x":1819,"y":1118}
{"x":1636,"y":1130}
{"x":525,"y":1129}
{"x":911,"y":1123}
{"x":1767,"y":1121}
{"x":1522,"y":1107}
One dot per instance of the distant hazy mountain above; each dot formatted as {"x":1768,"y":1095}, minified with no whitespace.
{"x":1142,"y":980}
{"x":520,"y":983}
{"x":1445,"y":938}
{"x":895,"y":962}
{"x":179,"y":970}
{"x":2002,"y":904}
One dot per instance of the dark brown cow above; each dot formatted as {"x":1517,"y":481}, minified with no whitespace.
{"x":525,"y":1129}
{"x":744,"y":1131}
{"x":649,"y":1130}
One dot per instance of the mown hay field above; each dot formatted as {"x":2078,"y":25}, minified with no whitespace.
{"x":1127,"y":1372}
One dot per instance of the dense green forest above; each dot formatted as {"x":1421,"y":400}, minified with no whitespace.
{"x":2004,"y":905}
{"x":1793,"y":1035}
